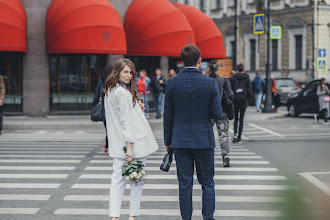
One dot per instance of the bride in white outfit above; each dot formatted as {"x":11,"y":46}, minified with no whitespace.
{"x":126,"y":126}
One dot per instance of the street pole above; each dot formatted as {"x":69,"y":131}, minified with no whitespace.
{"x":268,"y":102}
{"x":235,"y":52}
{"x":313,"y":49}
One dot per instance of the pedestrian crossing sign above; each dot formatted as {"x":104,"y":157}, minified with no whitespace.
{"x":276,"y":32}
{"x":322,"y":64}
{"x":258,"y":23}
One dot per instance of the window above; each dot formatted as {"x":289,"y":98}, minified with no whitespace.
{"x":201,"y":5}
{"x":298,"y":41}
{"x":11,"y":72}
{"x":274,"y":54}
{"x":186,"y":2}
{"x":253,"y":54}
{"x":233,"y":53}
{"x":218,"y":4}
{"x":73,"y":79}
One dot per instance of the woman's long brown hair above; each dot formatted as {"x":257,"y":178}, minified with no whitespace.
{"x":113,"y":79}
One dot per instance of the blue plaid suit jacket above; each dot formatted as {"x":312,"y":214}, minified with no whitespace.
{"x":191,"y":101}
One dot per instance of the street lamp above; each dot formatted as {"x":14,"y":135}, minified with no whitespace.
{"x":268,"y":102}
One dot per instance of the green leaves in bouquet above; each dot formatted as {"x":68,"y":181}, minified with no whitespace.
{"x":125,"y":149}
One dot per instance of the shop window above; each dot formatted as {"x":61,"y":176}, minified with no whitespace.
{"x":11,"y":70}
{"x":73,"y":79}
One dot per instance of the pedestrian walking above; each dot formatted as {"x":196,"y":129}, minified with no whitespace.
{"x":191,"y":101}
{"x":258,"y":85}
{"x":2,"y":98}
{"x":157,"y":85}
{"x":241,"y":86}
{"x":323,"y":97}
{"x":143,"y":82}
{"x":170,"y":74}
{"x":223,"y":123}
{"x":126,"y":126}
{"x":100,"y":89}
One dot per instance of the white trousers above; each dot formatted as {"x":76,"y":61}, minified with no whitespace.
{"x":118,"y":184}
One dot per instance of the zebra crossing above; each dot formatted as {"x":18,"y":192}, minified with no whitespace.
{"x":71,"y":180}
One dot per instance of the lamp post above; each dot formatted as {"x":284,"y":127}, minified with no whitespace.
{"x":235,"y":37}
{"x":268,"y":102}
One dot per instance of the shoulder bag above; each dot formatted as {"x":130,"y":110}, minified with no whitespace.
{"x":97,"y":110}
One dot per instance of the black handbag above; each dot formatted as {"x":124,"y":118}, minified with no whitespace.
{"x":167,"y":161}
{"x":97,"y":111}
{"x":227,"y":105}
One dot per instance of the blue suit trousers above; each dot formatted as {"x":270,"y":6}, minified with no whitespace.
{"x":186,"y":160}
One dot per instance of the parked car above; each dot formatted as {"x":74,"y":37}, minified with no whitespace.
{"x":304,"y":100}
{"x":285,"y":86}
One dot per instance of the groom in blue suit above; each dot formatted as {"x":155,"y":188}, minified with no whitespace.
{"x":191,"y":101}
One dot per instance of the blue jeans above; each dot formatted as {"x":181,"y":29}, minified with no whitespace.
{"x":146,"y":103}
{"x":258,"y":98}
{"x":158,"y":102}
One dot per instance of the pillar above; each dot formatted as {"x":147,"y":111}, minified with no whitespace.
{"x":35,"y":62}
{"x":164,"y":65}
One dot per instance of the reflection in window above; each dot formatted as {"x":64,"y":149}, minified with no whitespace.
{"x":11,"y":72}
{"x":73,"y":79}
{"x":274,"y":54}
{"x":75,"y":74}
{"x":298,"y":39}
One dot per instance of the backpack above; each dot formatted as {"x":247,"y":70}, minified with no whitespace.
{"x":239,"y":91}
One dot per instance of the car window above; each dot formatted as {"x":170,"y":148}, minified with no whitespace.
{"x":285,"y":83}
{"x":311,"y":88}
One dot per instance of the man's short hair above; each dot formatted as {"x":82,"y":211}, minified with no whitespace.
{"x":240,"y":67}
{"x":190,"y":55}
{"x":157,"y":69}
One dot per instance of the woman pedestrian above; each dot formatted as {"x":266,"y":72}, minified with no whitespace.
{"x":142,"y":86}
{"x":171,"y":73}
{"x":323,"y":92}
{"x":127,"y":126}
{"x":101,"y":86}
{"x":222,"y":124}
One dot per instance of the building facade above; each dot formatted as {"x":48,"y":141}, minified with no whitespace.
{"x":290,"y":56}
{"x":38,"y":82}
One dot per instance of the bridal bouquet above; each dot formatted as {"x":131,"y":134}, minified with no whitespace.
{"x":133,"y":171}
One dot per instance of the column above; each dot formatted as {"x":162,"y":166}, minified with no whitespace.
{"x":35,"y":62}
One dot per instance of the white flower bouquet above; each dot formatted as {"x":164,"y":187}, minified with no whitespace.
{"x":133,"y":171}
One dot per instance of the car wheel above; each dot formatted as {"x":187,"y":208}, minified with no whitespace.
{"x":293,"y":111}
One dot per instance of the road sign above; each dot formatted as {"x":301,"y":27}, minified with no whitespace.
{"x":322,"y":53}
{"x":258,"y":23}
{"x":276,"y":32}
{"x":322,"y":64}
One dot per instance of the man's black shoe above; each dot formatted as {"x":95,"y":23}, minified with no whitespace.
{"x":226,"y":161}
{"x":158,"y":116}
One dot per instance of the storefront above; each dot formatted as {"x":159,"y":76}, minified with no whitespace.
{"x":12,"y":48}
{"x":79,"y":37}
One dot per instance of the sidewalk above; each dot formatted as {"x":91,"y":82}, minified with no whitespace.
{"x":83,"y":121}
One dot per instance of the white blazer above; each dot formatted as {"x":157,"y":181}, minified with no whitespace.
{"x":127,"y":123}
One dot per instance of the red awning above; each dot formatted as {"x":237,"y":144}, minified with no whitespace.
{"x":84,"y":26}
{"x":156,"y":28}
{"x":12,"y":26}
{"x":208,"y":36}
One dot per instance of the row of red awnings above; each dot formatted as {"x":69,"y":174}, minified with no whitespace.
{"x":152,"y":28}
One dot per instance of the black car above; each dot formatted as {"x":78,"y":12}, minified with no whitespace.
{"x":304,"y":100}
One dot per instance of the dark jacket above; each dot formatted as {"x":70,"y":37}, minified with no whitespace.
{"x":156,"y":87}
{"x":191,"y":101}
{"x":100,"y":86}
{"x":245,"y":79}
{"x":258,"y":85}
{"x":224,"y":85}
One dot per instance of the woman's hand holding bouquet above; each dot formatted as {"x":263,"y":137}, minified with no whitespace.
{"x":133,"y":171}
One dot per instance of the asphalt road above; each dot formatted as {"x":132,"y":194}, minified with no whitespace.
{"x":46,"y":174}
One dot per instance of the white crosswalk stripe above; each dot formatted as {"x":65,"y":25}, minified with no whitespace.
{"x":248,"y":183}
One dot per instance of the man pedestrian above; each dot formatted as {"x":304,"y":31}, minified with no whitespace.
{"x":258,"y":85}
{"x":2,"y":97}
{"x":157,"y":85}
{"x":241,"y":86}
{"x":223,"y":123}
{"x":191,"y":101}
